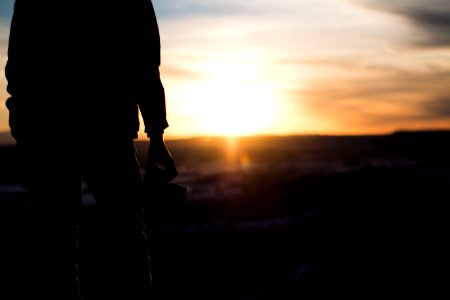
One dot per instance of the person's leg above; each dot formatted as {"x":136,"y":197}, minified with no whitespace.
{"x":114,"y":261}
{"x":47,"y":252}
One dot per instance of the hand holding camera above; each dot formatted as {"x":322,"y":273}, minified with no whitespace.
{"x":164,"y":201}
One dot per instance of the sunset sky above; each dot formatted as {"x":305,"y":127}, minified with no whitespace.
{"x":297,"y":66}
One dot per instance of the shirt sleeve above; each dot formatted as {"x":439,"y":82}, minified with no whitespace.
{"x":150,"y":94}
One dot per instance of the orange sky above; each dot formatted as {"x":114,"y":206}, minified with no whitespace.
{"x":297,"y":66}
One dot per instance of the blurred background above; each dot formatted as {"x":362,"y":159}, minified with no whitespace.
{"x":298,"y":217}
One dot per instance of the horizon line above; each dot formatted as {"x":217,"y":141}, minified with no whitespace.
{"x":187,"y":137}
{"x":142,"y":137}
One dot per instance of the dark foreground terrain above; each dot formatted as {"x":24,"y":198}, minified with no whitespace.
{"x":306,"y":217}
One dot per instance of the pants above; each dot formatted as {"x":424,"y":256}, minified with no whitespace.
{"x":65,"y":256}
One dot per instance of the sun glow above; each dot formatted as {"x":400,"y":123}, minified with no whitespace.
{"x":231,"y":100}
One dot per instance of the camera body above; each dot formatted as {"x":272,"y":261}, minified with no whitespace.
{"x":164,"y":202}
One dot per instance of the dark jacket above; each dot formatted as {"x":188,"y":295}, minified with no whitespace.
{"x":84,"y":67}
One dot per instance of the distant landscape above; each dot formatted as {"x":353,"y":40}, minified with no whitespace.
{"x":285,"y":217}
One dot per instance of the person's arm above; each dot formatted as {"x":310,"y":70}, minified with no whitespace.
{"x":151,"y":95}
{"x":147,"y":55}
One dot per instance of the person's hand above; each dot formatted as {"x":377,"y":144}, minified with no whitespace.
{"x":160,"y":164}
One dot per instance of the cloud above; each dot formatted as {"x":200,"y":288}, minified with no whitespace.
{"x":186,"y":8}
{"x":431,"y":18}
{"x":438,"y":107}
{"x":386,"y":100}
{"x":179,"y":73}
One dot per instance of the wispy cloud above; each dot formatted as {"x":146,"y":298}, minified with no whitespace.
{"x":382,"y":100}
{"x":438,"y":107}
{"x":187,"y":8}
{"x":431,"y":18}
{"x":180,"y":9}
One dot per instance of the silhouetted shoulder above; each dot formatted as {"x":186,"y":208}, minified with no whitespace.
{"x":59,"y":42}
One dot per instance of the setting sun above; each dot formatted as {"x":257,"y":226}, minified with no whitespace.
{"x":233,"y":100}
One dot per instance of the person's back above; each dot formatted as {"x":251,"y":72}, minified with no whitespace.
{"x":84,"y":64}
{"x":78,"y":71}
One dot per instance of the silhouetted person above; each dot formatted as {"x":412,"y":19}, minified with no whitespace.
{"x":78,"y":72}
